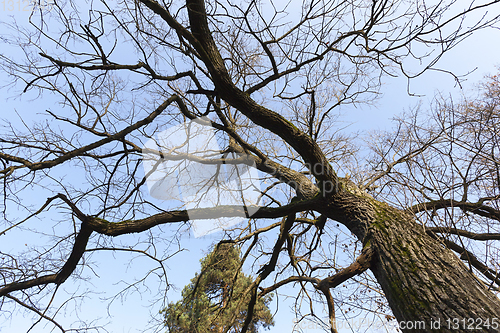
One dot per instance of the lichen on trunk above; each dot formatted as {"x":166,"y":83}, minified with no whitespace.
{"x":425,"y":283}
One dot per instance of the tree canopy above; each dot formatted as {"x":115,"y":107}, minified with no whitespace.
{"x":235,"y":105}
{"x":216,"y":299}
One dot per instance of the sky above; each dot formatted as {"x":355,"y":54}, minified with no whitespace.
{"x":477,"y":55}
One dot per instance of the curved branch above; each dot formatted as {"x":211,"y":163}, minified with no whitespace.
{"x":464,"y":233}
{"x":131,"y":226}
{"x":82,"y":150}
{"x":264,"y":291}
{"x":465,"y":255}
{"x":477,"y":208}
{"x":331,"y":309}
{"x":76,"y":254}
{"x":362,"y":263}
{"x":400,"y":160}
{"x":303,"y":186}
{"x":113,"y":66}
{"x":167,"y":17}
{"x":273,"y":121}
{"x":38,"y":312}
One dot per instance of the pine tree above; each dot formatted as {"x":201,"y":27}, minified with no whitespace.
{"x":216,"y":299}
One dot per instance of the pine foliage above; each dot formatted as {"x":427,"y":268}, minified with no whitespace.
{"x":217,"y":298}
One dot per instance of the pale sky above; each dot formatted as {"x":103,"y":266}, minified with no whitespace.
{"x":479,"y":54}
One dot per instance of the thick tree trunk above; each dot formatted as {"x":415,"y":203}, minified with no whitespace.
{"x":423,"y":281}
{"x":428,"y":287}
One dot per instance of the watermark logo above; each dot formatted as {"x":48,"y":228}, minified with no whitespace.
{"x":26,"y":5}
{"x":185,"y":163}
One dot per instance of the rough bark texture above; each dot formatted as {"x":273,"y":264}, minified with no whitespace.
{"x":424,"y":282}
{"x":427,"y":286}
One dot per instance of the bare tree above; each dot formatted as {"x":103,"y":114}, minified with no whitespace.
{"x":268,"y":78}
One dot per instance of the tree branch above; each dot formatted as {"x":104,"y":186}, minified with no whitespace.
{"x":35,"y":310}
{"x":60,"y":277}
{"x":464,"y":233}
{"x":131,"y":226}
{"x":82,"y":150}
{"x":477,"y":208}
{"x":465,"y":255}
{"x":273,"y":121}
{"x":362,"y":263}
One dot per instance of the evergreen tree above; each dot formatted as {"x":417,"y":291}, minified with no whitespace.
{"x":217,"y":297}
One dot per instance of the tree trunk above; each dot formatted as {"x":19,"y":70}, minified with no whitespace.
{"x":428,"y":287}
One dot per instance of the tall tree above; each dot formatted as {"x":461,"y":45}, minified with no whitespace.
{"x":267,"y":78}
{"x":215,"y":300}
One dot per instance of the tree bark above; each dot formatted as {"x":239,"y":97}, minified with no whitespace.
{"x":429,"y":289}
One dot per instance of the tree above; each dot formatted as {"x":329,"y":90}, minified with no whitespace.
{"x":269,"y":85}
{"x":215,"y":300}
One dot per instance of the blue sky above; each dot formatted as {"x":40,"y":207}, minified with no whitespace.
{"x":477,"y":54}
